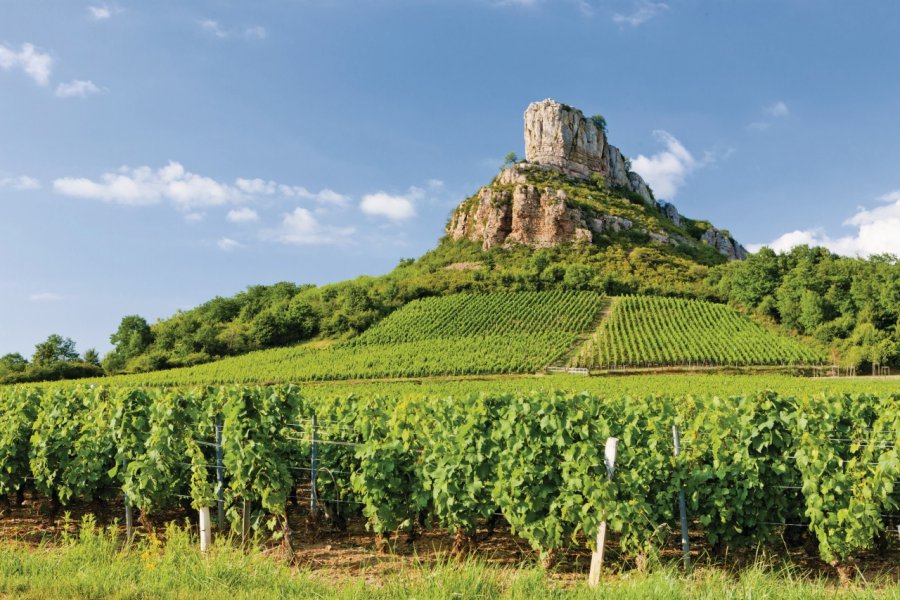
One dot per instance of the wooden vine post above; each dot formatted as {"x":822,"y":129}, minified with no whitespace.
{"x":682,"y":508}
{"x":129,"y":513}
{"x":597,"y":557}
{"x":220,"y":476}
{"x":313,"y":470}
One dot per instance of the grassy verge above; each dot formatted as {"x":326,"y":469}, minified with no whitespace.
{"x":94,"y":564}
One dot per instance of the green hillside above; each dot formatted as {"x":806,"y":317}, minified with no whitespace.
{"x":643,"y":331}
{"x":462,"y":334}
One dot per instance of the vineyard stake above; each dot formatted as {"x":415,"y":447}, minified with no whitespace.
{"x":220,"y":475}
{"x":245,"y":523}
{"x":597,"y":557}
{"x":129,"y":516}
{"x":205,"y":530}
{"x":313,"y":468}
{"x":682,"y":508}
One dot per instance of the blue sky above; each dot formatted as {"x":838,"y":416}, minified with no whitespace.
{"x":155,"y":155}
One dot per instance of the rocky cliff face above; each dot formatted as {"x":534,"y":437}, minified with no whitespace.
{"x":514,"y":209}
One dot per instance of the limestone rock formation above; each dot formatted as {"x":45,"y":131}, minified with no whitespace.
{"x":559,"y":136}
{"x":724,"y":243}
{"x":670,"y":212}
{"x":524,"y":215}
{"x":518,"y":209}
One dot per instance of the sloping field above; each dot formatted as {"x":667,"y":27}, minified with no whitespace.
{"x":463,"y":334}
{"x":654,"y":331}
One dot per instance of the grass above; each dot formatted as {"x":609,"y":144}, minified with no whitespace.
{"x":94,"y":564}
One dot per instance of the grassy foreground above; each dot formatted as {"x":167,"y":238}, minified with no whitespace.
{"x":94,"y":565}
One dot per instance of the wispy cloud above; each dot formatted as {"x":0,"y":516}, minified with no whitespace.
{"x":227,"y":244}
{"x":642,"y":12}
{"x":778,"y":110}
{"x":19,"y":183}
{"x":77,"y":89}
{"x":45,"y":297}
{"x":301,"y":228}
{"x":877,"y":231}
{"x":666,"y":170}
{"x":251,"y":32}
{"x":262,"y":187}
{"x":173,"y":183}
{"x":34,"y":63}
{"x":102,"y":12}
{"x":242,"y":215}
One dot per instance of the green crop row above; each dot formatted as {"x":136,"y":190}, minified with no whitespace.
{"x":749,"y":465}
{"x":657,"y":331}
{"x":463,"y":315}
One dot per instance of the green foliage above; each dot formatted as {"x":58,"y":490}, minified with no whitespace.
{"x":537,"y":456}
{"x":131,"y":339}
{"x":653,"y":331}
{"x":510,"y":159}
{"x":55,"y":349}
{"x":600,"y":122}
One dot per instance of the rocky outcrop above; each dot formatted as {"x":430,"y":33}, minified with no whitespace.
{"x":524,"y":215}
{"x":559,"y":136}
{"x":527,"y":205}
{"x":670,"y":212}
{"x":724,"y":243}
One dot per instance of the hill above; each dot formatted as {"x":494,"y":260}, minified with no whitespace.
{"x":462,"y":334}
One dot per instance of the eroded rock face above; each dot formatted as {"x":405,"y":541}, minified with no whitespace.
{"x":560,"y":136}
{"x":724,"y":244}
{"x":525,"y":215}
{"x":670,"y":212}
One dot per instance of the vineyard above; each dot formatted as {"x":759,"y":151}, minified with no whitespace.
{"x":750,"y":466}
{"x":650,"y":331}
{"x":463,"y":334}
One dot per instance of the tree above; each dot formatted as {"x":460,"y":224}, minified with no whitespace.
{"x":600,"y":122}
{"x":13,"y":363}
{"x":510,"y":159}
{"x":55,"y":349}
{"x":91,"y":357}
{"x":131,"y":339}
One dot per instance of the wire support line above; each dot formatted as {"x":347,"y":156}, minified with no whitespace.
{"x":318,"y":441}
{"x":210,"y":444}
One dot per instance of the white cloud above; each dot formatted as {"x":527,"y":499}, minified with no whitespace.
{"x":242,"y":215}
{"x":20,"y":183}
{"x":261,"y":187}
{"x":101,"y":12}
{"x":144,"y":186}
{"x":212,"y":27}
{"x":194,"y":217}
{"x":395,"y":208}
{"x":301,"y":228}
{"x":779,"y":109}
{"x":225,"y":244}
{"x":33,"y":62}
{"x":252,"y":32}
{"x":666,"y":171}
{"x":643,"y":12}
{"x":77,"y":89}
{"x":877,"y":232}
{"x":45,"y":297}
{"x":256,"y":32}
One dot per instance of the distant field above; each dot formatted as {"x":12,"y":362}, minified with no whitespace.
{"x":463,"y":334}
{"x":657,"y":331}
